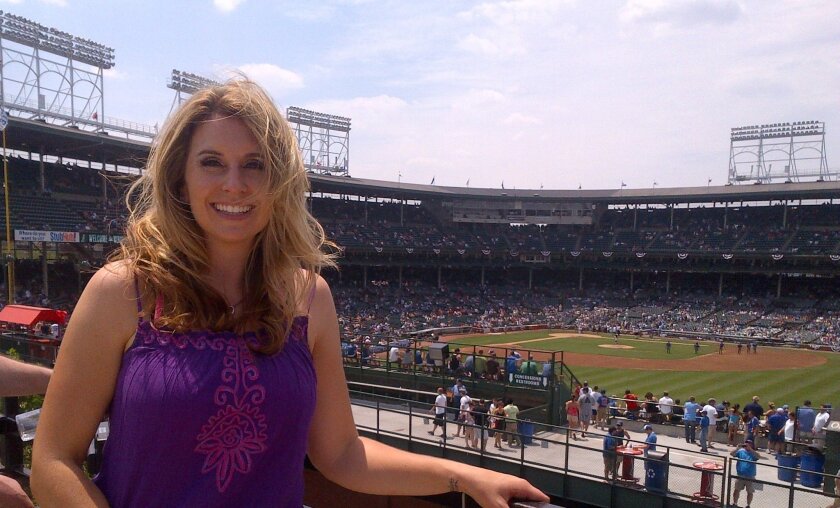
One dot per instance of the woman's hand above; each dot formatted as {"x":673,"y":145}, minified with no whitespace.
{"x":495,"y":490}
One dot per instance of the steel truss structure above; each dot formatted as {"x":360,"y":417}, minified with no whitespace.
{"x":797,"y":149}
{"x":186,"y":84}
{"x":324,"y":140}
{"x":53,"y":76}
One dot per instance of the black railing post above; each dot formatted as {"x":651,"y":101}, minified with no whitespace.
{"x":12,"y":453}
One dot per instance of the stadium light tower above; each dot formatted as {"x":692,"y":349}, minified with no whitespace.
{"x":324,"y":140}
{"x":186,"y":84}
{"x":54,"y":76}
{"x":797,"y":149}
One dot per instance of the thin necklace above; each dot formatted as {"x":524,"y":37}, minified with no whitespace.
{"x":235,"y":305}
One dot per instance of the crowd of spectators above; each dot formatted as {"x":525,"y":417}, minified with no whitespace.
{"x":385,"y":309}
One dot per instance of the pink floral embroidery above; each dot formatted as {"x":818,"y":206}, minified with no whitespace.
{"x":237,"y":431}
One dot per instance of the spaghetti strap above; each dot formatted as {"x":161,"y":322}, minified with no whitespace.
{"x":139,"y":300}
{"x":311,"y":297}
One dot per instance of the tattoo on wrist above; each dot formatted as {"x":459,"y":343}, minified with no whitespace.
{"x":453,"y":485}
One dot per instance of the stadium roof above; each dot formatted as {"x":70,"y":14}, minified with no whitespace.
{"x":40,"y":137}
{"x":720,"y":193}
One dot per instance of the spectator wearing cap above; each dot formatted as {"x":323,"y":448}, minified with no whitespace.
{"x":746,"y":456}
{"x":621,"y":433}
{"x":776,"y":431}
{"x":650,"y":440}
{"x":711,"y":413}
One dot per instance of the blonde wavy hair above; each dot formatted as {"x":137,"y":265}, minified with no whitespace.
{"x":165,"y":249}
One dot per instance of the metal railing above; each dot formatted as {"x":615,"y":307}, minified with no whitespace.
{"x":688,"y":474}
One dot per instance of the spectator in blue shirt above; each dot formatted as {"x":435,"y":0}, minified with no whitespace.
{"x":650,"y":440}
{"x":752,"y":427}
{"x":510,"y":364}
{"x":746,"y":457}
{"x":610,"y":456}
{"x":776,"y":426}
{"x":704,"y":433}
{"x":690,"y":420}
{"x":806,"y":416}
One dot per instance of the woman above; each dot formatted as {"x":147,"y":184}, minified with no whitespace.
{"x":469,"y":425}
{"x":733,"y":424}
{"x":573,"y":416}
{"x":216,"y":327}
{"x":498,"y":423}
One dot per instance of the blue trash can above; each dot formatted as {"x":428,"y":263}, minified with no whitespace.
{"x":787,"y":475}
{"x":656,"y":472}
{"x":812,"y":462}
{"x":526,"y":430}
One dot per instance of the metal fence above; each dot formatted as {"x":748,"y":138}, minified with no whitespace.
{"x":670,"y":471}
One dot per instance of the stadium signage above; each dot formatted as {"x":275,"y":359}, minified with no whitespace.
{"x":26,"y":235}
{"x":96,"y":238}
{"x":522,"y":379}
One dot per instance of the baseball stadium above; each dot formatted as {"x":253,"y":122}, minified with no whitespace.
{"x":539,"y":296}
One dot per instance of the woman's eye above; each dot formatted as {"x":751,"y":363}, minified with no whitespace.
{"x":210,"y":162}
{"x":255,"y":164}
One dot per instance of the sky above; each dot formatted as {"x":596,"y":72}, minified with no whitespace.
{"x":557,"y":94}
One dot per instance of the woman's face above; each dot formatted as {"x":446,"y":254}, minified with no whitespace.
{"x":224,"y":183}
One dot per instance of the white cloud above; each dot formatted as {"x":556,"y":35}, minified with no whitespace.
{"x":517,"y":11}
{"x":475,"y":44}
{"x":56,"y":3}
{"x":474,"y":98}
{"x":666,"y":15}
{"x":375,"y":113}
{"x":520,"y":119}
{"x":309,"y":12}
{"x":113,"y":73}
{"x":274,"y":78}
{"x":227,"y":5}
{"x":13,"y":2}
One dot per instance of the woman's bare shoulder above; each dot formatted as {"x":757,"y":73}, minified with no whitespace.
{"x":111,"y":292}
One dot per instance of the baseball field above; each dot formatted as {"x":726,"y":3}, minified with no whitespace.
{"x":775,"y":374}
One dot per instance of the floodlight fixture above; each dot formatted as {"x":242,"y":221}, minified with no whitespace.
{"x":29,"y":33}
{"x":317,"y":120}
{"x":796,"y":145}
{"x":188,"y":82}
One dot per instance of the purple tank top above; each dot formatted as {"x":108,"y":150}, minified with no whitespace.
{"x":197,"y":419}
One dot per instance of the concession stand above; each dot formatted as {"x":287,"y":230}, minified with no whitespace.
{"x":34,"y":332}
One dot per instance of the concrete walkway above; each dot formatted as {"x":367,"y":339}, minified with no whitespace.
{"x":584,"y":458}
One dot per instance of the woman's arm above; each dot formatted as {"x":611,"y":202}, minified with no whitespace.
{"x":81,"y":388}
{"x":369,"y":466}
{"x":18,"y":378}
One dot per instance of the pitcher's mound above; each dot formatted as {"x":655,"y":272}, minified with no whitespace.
{"x":615,"y":346}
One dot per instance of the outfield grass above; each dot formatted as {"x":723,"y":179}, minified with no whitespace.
{"x":783,"y":386}
{"x":787,"y":386}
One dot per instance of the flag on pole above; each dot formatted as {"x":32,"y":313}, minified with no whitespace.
{"x":503,"y":184}
{"x":433,"y":181}
{"x":95,"y":115}
{"x":468,"y":182}
{"x":4,"y":120}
